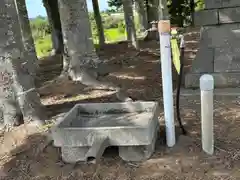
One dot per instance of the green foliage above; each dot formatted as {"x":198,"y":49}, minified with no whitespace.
{"x":121,"y":27}
{"x":43,"y":45}
{"x":181,"y":10}
{"x":137,"y":23}
{"x":41,"y":32}
{"x":199,"y":5}
{"x":114,"y":24}
{"x":93,"y":27}
{"x":114,"y":34}
{"x":40,"y":27}
{"x":111,"y":22}
{"x":114,"y":31}
{"x":114,"y":27}
{"x":115,"y":5}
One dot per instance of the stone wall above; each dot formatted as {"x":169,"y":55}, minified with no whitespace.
{"x":219,"y":48}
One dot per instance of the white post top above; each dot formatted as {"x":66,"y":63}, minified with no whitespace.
{"x":206,"y":82}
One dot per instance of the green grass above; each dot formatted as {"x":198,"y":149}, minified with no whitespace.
{"x":43,"y":45}
{"x":114,"y":34}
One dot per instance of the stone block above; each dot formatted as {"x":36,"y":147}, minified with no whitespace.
{"x":204,"y":60}
{"x":229,"y":3}
{"x":227,"y":59}
{"x":138,"y":153}
{"x":217,"y":92}
{"x":206,"y":17}
{"x":125,"y":124}
{"x":213,"y":4}
{"x":224,"y":35}
{"x":229,"y":15}
{"x":220,"y":94}
{"x":221,"y":80}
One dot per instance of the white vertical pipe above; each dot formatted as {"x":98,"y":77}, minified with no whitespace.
{"x":207,"y":86}
{"x":166,"y":66}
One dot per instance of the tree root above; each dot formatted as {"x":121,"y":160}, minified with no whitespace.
{"x":10,"y":114}
{"x":90,"y":78}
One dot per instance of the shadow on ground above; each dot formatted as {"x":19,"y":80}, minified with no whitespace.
{"x":26,"y":154}
{"x":36,"y":158}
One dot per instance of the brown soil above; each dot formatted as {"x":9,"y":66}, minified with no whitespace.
{"x":26,"y":154}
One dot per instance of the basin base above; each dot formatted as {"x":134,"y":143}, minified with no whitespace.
{"x":127,"y":153}
{"x":138,"y":153}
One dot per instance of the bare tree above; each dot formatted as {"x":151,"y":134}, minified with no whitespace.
{"x":98,"y":20}
{"x":27,"y":37}
{"x":52,"y":10}
{"x":17,"y":85}
{"x":142,"y":14}
{"x":129,"y":21}
{"x":81,"y":62}
{"x":192,"y":9}
{"x":156,"y":10}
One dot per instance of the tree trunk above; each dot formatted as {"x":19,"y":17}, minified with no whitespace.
{"x":152,"y":14}
{"x":98,"y":20}
{"x":52,"y":10}
{"x":177,"y":12}
{"x":11,"y":114}
{"x":156,"y":10}
{"x":77,"y":33}
{"x":15,"y":78}
{"x":192,"y":9}
{"x":27,"y":38}
{"x":163,"y":10}
{"x":129,"y":21}
{"x":83,"y":60}
{"x":152,"y":11}
{"x":142,"y":13}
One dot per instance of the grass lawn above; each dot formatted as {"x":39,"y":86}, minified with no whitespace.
{"x":43,"y":45}
{"x":112,"y":35}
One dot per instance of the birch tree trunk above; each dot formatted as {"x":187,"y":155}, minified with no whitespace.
{"x":192,"y":9}
{"x":27,"y":38}
{"x":77,"y":34}
{"x":163,"y":10}
{"x":129,"y":21}
{"x":17,"y":85}
{"x":156,"y":10}
{"x":81,"y":61}
{"x":142,"y":13}
{"x":52,"y":10}
{"x":98,"y":20}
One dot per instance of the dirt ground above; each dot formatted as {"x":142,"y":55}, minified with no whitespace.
{"x":26,"y":153}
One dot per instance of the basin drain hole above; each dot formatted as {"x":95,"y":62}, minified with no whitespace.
{"x":91,"y":159}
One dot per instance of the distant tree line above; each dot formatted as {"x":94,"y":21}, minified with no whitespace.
{"x":180,"y":11}
{"x":41,"y":27}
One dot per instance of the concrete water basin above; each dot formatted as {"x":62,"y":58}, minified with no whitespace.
{"x":94,"y":126}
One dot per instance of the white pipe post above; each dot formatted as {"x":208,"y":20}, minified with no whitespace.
{"x":207,"y":86}
{"x":166,"y":67}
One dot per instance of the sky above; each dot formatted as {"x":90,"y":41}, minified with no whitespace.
{"x":35,"y":7}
